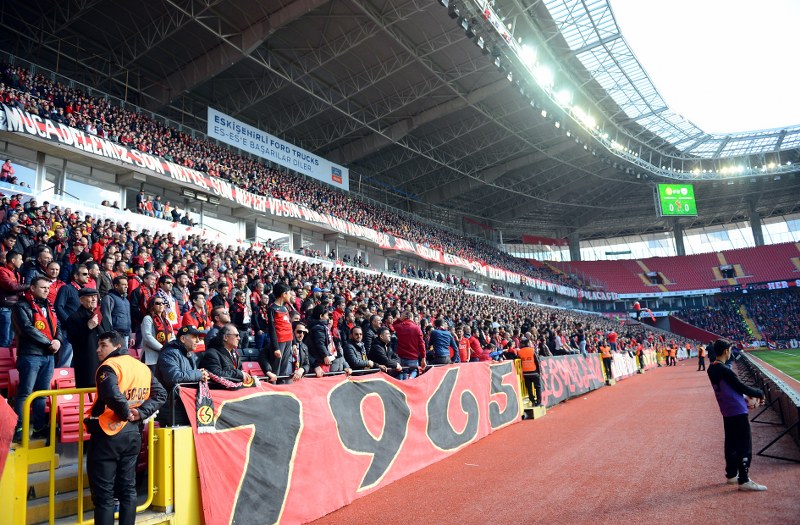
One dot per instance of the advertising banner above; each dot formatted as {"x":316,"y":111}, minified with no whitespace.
{"x":623,"y":365}
{"x":22,"y":122}
{"x":248,"y":138}
{"x":567,"y":376}
{"x":293,"y":453}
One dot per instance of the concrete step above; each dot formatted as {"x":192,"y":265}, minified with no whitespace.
{"x":65,"y":504}
{"x":66,"y":480}
{"x":147,"y":517}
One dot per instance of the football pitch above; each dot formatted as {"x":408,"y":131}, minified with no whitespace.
{"x":787,"y":361}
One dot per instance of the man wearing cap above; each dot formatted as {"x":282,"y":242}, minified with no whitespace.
{"x":84,"y":327}
{"x":177,"y":363}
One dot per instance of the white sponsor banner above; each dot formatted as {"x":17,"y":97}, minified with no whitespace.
{"x":623,"y":365}
{"x":245,"y":137}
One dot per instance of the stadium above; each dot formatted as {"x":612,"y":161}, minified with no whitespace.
{"x":379,"y":261}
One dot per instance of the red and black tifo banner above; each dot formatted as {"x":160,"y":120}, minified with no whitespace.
{"x":8,"y":421}
{"x":293,"y":453}
{"x":567,"y":376}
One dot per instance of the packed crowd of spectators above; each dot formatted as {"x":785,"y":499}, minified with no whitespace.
{"x":722,"y":318}
{"x":776,"y":315}
{"x":39,"y":95}
{"x":417,"y":272}
{"x":49,"y":236}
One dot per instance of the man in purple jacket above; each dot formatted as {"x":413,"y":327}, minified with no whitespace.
{"x":730,"y":393}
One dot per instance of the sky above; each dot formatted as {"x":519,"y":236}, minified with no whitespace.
{"x":725,"y":65}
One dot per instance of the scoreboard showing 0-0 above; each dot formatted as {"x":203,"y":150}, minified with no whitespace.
{"x":676,"y":200}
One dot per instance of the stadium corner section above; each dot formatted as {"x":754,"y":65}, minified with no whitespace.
{"x":358,"y":434}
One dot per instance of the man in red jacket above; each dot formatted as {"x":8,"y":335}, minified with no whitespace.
{"x":410,"y":345}
{"x":10,"y":289}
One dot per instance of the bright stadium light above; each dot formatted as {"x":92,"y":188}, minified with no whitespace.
{"x":528,"y":55}
{"x":543,"y":75}
{"x":564,"y":97}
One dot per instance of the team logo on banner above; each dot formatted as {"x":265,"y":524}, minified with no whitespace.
{"x":336,"y":175}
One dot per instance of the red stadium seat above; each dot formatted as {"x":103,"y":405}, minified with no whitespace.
{"x":69,"y":417}
{"x":62,"y":378}
{"x":13,"y":382}
{"x":7,"y":362}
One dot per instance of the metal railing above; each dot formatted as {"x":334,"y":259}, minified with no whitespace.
{"x":47,"y":454}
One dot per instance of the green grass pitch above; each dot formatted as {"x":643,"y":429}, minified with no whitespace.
{"x":787,"y":361}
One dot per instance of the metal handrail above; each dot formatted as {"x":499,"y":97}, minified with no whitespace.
{"x":47,"y":454}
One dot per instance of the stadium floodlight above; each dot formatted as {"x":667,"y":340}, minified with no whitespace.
{"x":528,"y":55}
{"x":543,"y":75}
{"x":544,"y":113}
{"x":771,"y":165}
{"x":564,"y":97}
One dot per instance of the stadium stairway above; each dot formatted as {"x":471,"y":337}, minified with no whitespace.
{"x":754,"y":331}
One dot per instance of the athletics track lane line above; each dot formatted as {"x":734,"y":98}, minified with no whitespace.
{"x":647,"y":450}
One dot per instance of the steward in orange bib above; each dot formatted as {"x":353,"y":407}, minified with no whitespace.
{"x":673,"y":352}
{"x":530,"y":371}
{"x":605,"y":353}
{"x":701,"y":357}
{"x":127,"y":394}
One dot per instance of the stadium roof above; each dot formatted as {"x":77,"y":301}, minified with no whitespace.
{"x":428,"y":121}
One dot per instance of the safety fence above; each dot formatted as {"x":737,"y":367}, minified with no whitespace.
{"x":779,"y":397}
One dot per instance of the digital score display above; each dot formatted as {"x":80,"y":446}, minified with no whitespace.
{"x":676,"y":200}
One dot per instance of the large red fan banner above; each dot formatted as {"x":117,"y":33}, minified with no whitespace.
{"x":293,"y":453}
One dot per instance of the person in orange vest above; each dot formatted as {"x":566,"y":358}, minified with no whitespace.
{"x":701,"y":357}
{"x":673,"y":351}
{"x":640,"y":355}
{"x":127,"y":394}
{"x":605,"y":353}
{"x":530,"y":371}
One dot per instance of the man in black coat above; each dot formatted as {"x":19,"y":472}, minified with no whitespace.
{"x":382,"y":354}
{"x":354,"y":352}
{"x":222,"y":358}
{"x":84,"y":327}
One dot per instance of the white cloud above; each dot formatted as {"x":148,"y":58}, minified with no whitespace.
{"x":725,"y":65}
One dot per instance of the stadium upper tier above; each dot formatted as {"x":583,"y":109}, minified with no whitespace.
{"x":41,"y":96}
{"x":777,"y":262}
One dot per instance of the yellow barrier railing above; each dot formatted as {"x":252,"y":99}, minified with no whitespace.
{"x":47,"y":454}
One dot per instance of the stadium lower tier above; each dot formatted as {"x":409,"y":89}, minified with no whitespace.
{"x":267,"y":447}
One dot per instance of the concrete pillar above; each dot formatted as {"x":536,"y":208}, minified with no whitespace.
{"x":755,"y":225}
{"x":41,"y":173}
{"x":677,"y":231}
{"x":574,"y":246}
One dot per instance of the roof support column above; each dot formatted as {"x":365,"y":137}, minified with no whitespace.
{"x":574,"y":246}
{"x":677,"y":232}
{"x":755,"y":225}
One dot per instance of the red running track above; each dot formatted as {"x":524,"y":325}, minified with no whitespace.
{"x":647,"y":450}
